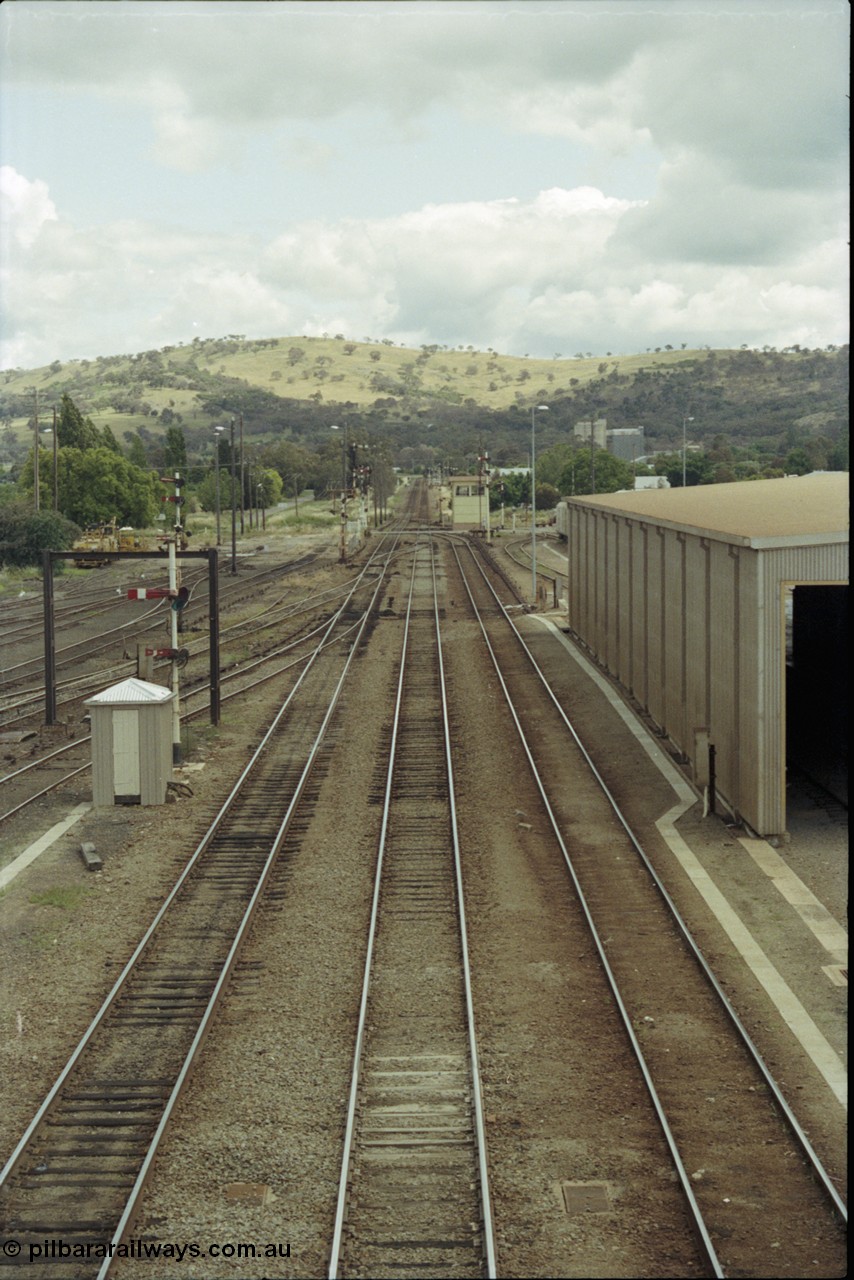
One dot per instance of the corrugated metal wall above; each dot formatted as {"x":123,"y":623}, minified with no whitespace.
{"x":693,"y":627}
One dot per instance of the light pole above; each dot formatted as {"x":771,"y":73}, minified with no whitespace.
{"x":334,"y":427}
{"x":242,"y":474}
{"x":45,"y":430}
{"x":535,"y":409}
{"x":217,"y":432}
{"x":342,"y":541}
{"x":36,"y":448}
{"x":592,"y":455}
{"x":685,"y":422}
{"x":233,"y":504}
{"x":55,"y":463}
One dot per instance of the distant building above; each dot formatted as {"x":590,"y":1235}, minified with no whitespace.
{"x":652,"y":482}
{"x":469,"y":502}
{"x":626,"y":443}
{"x":597,"y":431}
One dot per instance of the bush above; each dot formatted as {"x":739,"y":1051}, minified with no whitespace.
{"x":25,"y":534}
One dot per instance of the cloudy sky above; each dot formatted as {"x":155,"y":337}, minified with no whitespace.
{"x":535,"y":176}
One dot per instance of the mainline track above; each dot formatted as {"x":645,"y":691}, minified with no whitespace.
{"x":414,"y":1195}
{"x":82,"y":1163}
{"x":723,"y":1116}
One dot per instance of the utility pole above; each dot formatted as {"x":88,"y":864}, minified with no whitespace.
{"x":592,"y":455}
{"x":36,"y":449}
{"x":177,"y":604}
{"x":217,"y":430}
{"x":233,"y":505}
{"x":241,"y":474}
{"x":55,"y":464}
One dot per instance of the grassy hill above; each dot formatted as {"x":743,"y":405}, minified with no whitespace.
{"x":446,"y":399}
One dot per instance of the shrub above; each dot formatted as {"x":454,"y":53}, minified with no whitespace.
{"x":25,"y":534}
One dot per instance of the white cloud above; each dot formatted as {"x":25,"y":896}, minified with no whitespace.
{"x":540,"y":275}
{"x":24,"y":207}
{"x":742,"y":239}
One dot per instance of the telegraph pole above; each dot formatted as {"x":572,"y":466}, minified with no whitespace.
{"x":36,"y":449}
{"x":242,"y":530}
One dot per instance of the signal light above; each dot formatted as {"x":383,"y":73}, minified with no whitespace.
{"x":179,"y":656}
{"x":179,"y":596}
{"x":149,"y":593}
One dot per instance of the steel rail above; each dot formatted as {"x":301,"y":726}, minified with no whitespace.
{"x":127,"y":1217}
{"x":359,"y":1043}
{"x":134,"y":627}
{"x":361,"y":1024}
{"x":744,"y":1035}
{"x":142,"y":946}
{"x":186,"y":715}
{"x":684,"y":1179}
{"x":35,"y":695}
{"x":477,"y":1088}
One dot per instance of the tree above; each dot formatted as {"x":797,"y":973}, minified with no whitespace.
{"x":698,"y":468}
{"x":136,"y":451}
{"x":25,"y":534}
{"x":270,"y":484}
{"x":109,"y":441}
{"x":175,"y":450}
{"x":73,"y":430}
{"x":513,"y":489}
{"x":607,"y":474}
{"x":547,"y":497}
{"x":206,"y":491}
{"x":96,"y":486}
{"x":798,"y":462}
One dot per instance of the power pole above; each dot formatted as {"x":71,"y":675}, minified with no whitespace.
{"x":241,"y":474}
{"x":36,"y":449}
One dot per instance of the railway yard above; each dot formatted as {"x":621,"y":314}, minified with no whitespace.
{"x":431,"y":966}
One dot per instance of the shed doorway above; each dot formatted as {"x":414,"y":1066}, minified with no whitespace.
{"x":817,"y":686}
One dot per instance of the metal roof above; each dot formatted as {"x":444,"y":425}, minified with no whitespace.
{"x":131,"y":691}
{"x":796,"y":509}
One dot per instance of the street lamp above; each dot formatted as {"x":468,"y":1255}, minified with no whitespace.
{"x":36,"y":447}
{"x":55,"y":461}
{"x":342,"y":540}
{"x":535,"y":409}
{"x":685,"y":422}
{"x":334,"y":427}
{"x":217,"y":433}
{"x":233,"y":503}
{"x":45,"y":430}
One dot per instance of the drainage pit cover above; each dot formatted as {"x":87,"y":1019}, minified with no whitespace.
{"x":585,"y":1197}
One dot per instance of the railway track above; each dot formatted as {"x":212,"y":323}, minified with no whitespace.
{"x":724,"y":1119}
{"x":763,"y":1209}
{"x":306,"y":617}
{"x":23,"y":705}
{"x":413,"y":1193}
{"x":81,"y":1165}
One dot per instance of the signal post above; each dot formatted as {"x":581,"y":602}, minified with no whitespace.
{"x":178,"y":602}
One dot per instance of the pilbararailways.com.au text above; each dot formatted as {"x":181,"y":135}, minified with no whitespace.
{"x":57,"y":1249}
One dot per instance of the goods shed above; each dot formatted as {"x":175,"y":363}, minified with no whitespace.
{"x":722,"y":610}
